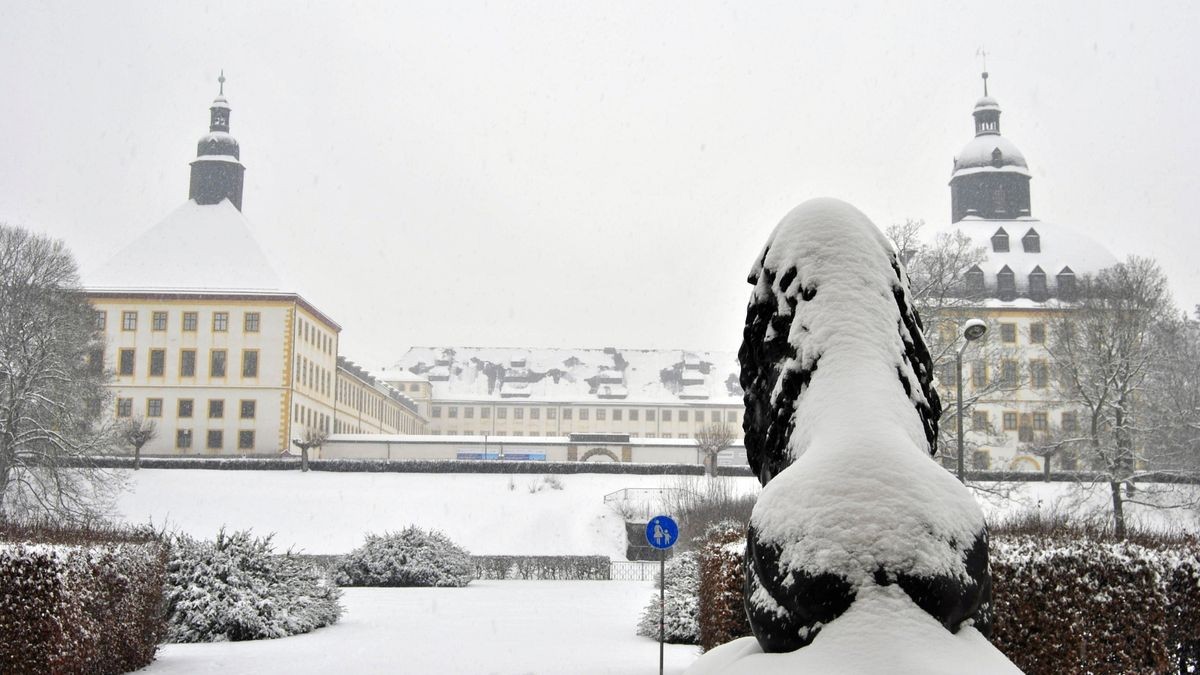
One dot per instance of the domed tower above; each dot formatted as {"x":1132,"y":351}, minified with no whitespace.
{"x":991,"y":178}
{"x":217,"y":171}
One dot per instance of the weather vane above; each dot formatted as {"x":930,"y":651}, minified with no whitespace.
{"x":221,"y":80}
{"x":982,"y":54}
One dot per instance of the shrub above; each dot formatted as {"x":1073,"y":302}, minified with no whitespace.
{"x":681,"y":606}
{"x":722,"y":550}
{"x":412,"y":557}
{"x":79,"y":600}
{"x":236,"y":588}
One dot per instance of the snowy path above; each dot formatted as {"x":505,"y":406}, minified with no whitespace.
{"x":576,"y":627}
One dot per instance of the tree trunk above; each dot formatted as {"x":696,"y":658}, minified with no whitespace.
{"x":1046,"y":468}
{"x":137,"y":457}
{"x":304,"y":458}
{"x":1118,"y":510}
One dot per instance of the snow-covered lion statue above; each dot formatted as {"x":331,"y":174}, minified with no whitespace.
{"x":863,"y":554}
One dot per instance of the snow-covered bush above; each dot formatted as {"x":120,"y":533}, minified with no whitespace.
{"x":237,"y":588}
{"x":79,"y":600}
{"x":681,"y":603}
{"x":722,"y":612}
{"x":412,"y":557}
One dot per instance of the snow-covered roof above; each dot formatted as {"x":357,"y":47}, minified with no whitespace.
{"x":987,"y":103}
{"x":1059,"y":247}
{"x":196,"y":247}
{"x":979,"y":155}
{"x":557,"y":374}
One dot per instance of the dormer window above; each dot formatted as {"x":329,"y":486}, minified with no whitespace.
{"x":974,"y":279}
{"x":1000,"y":241}
{"x":1032,"y":241}
{"x":997,"y":157}
{"x":1066,"y":284}
{"x":1006,"y":283}
{"x":1037,"y":283}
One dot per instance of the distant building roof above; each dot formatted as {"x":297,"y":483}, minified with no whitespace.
{"x":569,"y":375}
{"x":196,"y":247}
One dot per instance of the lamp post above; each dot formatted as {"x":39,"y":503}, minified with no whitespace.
{"x":972,"y":330}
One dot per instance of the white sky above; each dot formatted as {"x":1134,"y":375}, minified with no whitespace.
{"x":585,"y":174}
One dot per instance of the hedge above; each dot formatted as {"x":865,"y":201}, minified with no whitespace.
{"x":545,"y":567}
{"x":723,"y":618}
{"x":1066,"y":601}
{"x":79,"y":600}
{"x":398,"y":465}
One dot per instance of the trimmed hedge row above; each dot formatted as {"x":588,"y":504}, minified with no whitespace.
{"x":79,"y":603}
{"x":1065,"y":600}
{"x":722,"y":552}
{"x":544,"y":567}
{"x":398,"y":465}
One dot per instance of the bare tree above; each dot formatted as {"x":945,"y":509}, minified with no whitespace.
{"x":137,"y":432}
{"x":711,"y":441}
{"x":312,"y":438}
{"x":1105,"y":346}
{"x":1171,"y":436}
{"x":52,"y":384}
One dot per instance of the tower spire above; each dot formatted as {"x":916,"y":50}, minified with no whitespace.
{"x":217,"y":170}
{"x":982,"y":54}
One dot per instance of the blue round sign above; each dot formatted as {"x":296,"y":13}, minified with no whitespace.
{"x":662,"y":532}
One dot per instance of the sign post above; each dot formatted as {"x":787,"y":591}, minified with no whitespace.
{"x":661,"y":533}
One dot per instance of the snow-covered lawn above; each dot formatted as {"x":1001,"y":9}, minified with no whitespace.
{"x":577,"y":627}
{"x":325,"y":512}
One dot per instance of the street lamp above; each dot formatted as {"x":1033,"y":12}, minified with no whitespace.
{"x":972,"y":330}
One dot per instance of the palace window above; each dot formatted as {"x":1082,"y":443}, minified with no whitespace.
{"x":187,"y":363}
{"x":216,"y":363}
{"x":979,"y":420}
{"x":158,"y":362}
{"x":1037,"y":284}
{"x":124,"y":407}
{"x":245,"y":440}
{"x":190,"y":319}
{"x":1066,"y":284}
{"x":154,"y":407}
{"x":1037,"y":333}
{"x":220,"y":322}
{"x":1000,"y":241}
{"x":250,"y":322}
{"x":249,"y":363}
{"x":1006,"y":283}
{"x":1039,"y":374}
{"x":125,"y":362}
{"x":158,"y":321}
{"x":1032,"y":242}
{"x":1010,"y":421}
{"x":216,"y":439}
{"x":1008,"y":333}
{"x":184,"y":408}
{"x":101,"y":319}
{"x":128,"y":320}
{"x":216,"y":409}
{"x":183,"y":438}
{"x":248,"y":409}
{"x":974,"y":279}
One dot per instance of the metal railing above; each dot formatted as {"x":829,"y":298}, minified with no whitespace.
{"x":621,"y":570}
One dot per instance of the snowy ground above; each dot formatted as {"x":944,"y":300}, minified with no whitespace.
{"x":325,"y":512}
{"x":581,"y":627}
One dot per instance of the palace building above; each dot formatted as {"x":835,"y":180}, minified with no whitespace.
{"x":206,"y":340}
{"x":1029,"y":273}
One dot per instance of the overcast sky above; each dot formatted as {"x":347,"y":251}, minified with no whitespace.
{"x":585,"y":174}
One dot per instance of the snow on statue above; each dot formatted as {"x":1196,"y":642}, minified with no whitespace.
{"x":863,"y":555}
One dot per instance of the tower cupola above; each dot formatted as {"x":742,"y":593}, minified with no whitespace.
{"x":217,"y":171}
{"x":990,"y":178}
